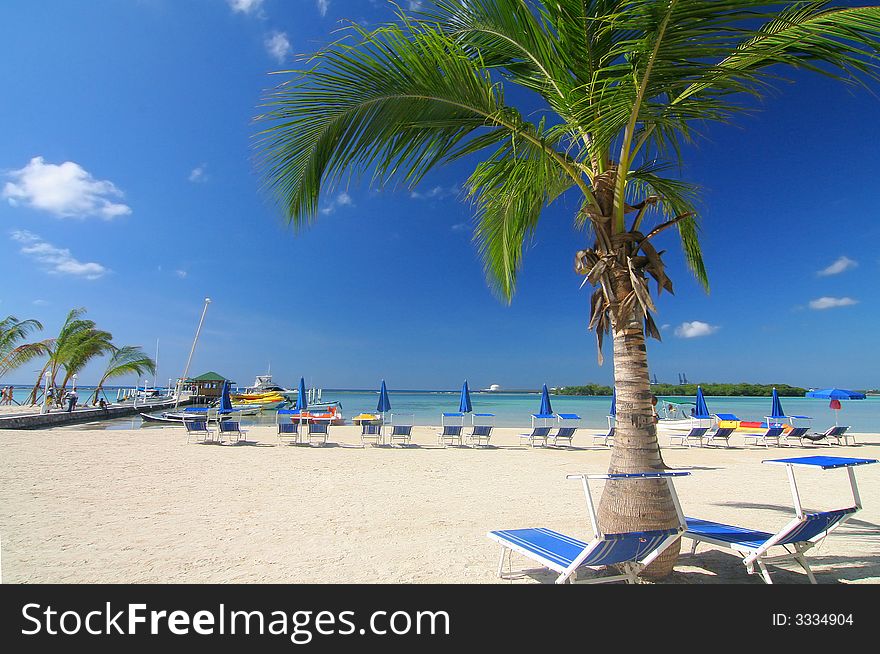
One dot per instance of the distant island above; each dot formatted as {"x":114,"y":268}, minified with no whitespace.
{"x":742,"y":389}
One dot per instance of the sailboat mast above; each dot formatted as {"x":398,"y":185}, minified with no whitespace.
{"x":192,"y":349}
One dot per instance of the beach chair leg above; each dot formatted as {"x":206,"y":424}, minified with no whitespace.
{"x":802,"y":561}
{"x":765,"y":574}
{"x":504,"y":551}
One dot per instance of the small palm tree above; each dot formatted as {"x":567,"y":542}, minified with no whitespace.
{"x":14,"y":353}
{"x":126,"y":360}
{"x":78,"y":341}
{"x":622,"y":86}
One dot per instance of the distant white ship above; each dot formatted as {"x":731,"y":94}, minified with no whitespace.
{"x":492,"y":388}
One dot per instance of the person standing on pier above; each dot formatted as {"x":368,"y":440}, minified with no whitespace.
{"x":71,"y":400}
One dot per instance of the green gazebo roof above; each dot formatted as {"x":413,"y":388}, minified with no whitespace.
{"x":208,"y":377}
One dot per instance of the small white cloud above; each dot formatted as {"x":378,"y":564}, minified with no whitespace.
{"x":254,"y":7}
{"x":665,"y":326}
{"x":199,"y":173}
{"x":40,"y":303}
{"x":341,"y":200}
{"x":56,"y":261}
{"x":832,"y":302}
{"x":278,"y":46}
{"x":436,"y":193}
{"x":181,"y":273}
{"x":695,"y":329}
{"x":323,"y":6}
{"x":415,"y":5}
{"x":66,"y":190}
{"x":460,"y":227}
{"x":840,"y":265}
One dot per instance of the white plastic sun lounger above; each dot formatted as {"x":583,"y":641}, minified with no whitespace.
{"x":794,"y":538}
{"x":631,"y":551}
{"x":696,"y":435}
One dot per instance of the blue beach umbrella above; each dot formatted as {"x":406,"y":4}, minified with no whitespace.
{"x":776,"y":410}
{"x":384,"y":403}
{"x":464,"y":405}
{"x":835,"y":395}
{"x":702,"y":411}
{"x":546,"y":409}
{"x":301,"y":402}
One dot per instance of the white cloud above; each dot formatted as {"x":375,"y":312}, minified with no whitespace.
{"x":278,"y":46}
{"x":665,"y":326}
{"x":695,"y":329}
{"x":436,"y":193}
{"x":246,"y":6}
{"x":66,"y":190}
{"x":415,"y":5}
{"x":181,"y":273}
{"x":832,"y":302}
{"x":199,"y":173}
{"x":460,"y":227}
{"x":840,"y":265}
{"x":323,"y":6}
{"x":56,"y":261}
{"x":40,"y":303}
{"x":341,"y":200}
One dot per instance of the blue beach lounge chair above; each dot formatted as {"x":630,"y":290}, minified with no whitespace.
{"x":794,"y":434}
{"x":695,"y":435}
{"x":480,"y":433}
{"x":795,"y":538}
{"x":564,"y":555}
{"x":199,"y":429}
{"x":720,"y":434}
{"x":566,"y":430}
{"x":837,"y":432}
{"x":451,"y":425}
{"x":607,"y":438}
{"x":232,"y":428}
{"x":772,"y":434}
{"x":401,"y":434}
{"x":371,"y":432}
{"x":318,"y":432}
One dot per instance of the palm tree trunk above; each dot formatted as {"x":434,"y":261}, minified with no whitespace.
{"x":33,"y":398}
{"x":628,"y":505}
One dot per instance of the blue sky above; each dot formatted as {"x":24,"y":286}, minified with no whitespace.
{"x":128,"y":187}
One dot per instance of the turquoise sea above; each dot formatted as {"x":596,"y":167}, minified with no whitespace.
{"x":515,"y":409}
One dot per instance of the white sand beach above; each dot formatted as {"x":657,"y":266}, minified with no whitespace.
{"x":138,"y":506}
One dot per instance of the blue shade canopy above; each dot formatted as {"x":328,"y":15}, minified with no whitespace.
{"x":613,"y":411}
{"x":835,"y":394}
{"x":301,"y":402}
{"x":464,"y":404}
{"x":545,"y":402}
{"x":776,"y":410}
{"x":702,"y":411}
{"x":384,"y":403}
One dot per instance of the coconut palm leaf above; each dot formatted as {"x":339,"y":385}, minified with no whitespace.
{"x":126,"y":360}
{"x":13,"y":353}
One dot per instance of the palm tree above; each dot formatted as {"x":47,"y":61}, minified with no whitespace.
{"x":126,"y":360}
{"x":622,"y":85}
{"x":77,"y":342}
{"x":14,"y":353}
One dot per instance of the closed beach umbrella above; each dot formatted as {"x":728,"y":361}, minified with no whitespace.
{"x":835,"y":395}
{"x":776,"y":409}
{"x":546,"y":409}
{"x":464,"y":405}
{"x":613,"y":411}
{"x":702,"y":411}
{"x":301,"y":402}
{"x":384,"y":403}
{"x":225,"y":400}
